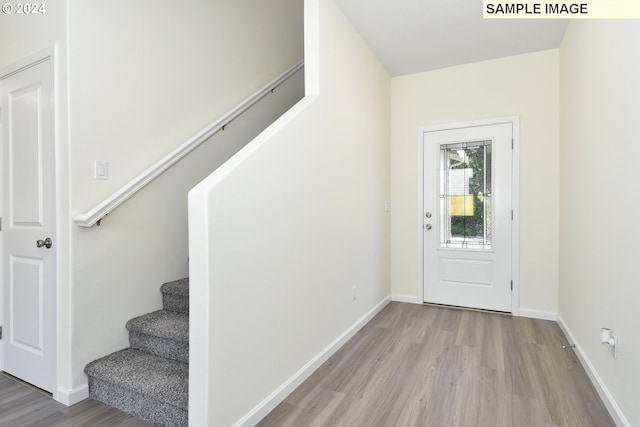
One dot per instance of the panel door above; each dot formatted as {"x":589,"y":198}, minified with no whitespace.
{"x":28,"y":225}
{"x":467,"y":217}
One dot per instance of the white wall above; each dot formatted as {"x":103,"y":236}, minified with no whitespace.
{"x":147,"y":75}
{"x":20,"y":36}
{"x":281,"y":234}
{"x":524,"y":86}
{"x":599,"y":204}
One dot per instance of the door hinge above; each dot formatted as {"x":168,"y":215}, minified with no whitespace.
{"x":512,"y":143}
{"x":512,"y":285}
{"x":0,"y":332}
{"x":511,"y":214}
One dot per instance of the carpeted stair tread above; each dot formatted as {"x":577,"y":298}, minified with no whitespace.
{"x":162,"y":333}
{"x":139,"y":372}
{"x":162,"y":323}
{"x":176,"y":287}
{"x":175,"y":295}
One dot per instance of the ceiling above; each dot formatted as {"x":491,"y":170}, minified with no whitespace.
{"x":411,"y":36}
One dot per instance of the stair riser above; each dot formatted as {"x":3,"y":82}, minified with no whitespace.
{"x":175,"y":303}
{"x":163,"y":347}
{"x":137,"y":404}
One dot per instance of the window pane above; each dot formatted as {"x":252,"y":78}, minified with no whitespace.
{"x":465,"y":195}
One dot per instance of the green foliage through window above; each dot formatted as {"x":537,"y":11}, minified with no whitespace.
{"x":468,"y":194}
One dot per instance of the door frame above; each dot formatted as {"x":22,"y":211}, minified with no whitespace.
{"x":515,"y":201}
{"x":43,"y":55}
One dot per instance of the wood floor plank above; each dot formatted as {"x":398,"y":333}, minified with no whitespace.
{"x":416,"y":365}
{"x":24,"y":406}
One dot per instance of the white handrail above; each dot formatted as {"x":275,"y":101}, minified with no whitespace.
{"x":103,"y":208}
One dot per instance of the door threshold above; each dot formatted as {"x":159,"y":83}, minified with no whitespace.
{"x":457,"y":307}
{"x":26,"y":384}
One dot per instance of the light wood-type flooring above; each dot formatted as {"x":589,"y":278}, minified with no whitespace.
{"x":420,"y":365}
{"x":22,"y":406}
{"x":412,"y":365}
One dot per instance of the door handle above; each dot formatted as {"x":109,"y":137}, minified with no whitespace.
{"x":47,"y":243}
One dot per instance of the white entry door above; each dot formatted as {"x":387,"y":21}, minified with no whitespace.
{"x":467,"y":216}
{"x":28,"y":224}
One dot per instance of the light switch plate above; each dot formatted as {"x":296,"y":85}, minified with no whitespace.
{"x":100,"y":170}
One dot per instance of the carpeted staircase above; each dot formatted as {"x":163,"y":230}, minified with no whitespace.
{"x":150,"y":379}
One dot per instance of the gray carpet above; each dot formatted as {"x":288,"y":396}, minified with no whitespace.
{"x":163,"y":333}
{"x":175,"y":295}
{"x":150,"y":380}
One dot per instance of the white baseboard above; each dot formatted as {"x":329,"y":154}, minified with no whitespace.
{"x":411,"y":299}
{"x":273,"y":400}
{"x":72,"y":396}
{"x":537,"y":314}
{"x":601,"y":388}
{"x":522,"y":312}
